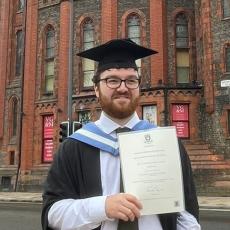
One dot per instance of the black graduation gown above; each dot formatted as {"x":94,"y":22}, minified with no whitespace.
{"x":75,"y":173}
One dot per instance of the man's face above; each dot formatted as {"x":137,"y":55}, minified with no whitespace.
{"x":121,"y":102}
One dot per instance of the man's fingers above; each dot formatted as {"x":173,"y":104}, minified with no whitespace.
{"x":123,"y":206}
{"x":122,"y":216}
{"x":129,"y":214}
{"x":133,"y":200}
{"x":131,"y":209}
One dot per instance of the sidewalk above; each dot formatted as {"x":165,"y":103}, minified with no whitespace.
{"x":214,"y":202}
{"x":204,"y":202}
{"x":20,"y":197}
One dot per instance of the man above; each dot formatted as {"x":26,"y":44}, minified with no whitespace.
{"x":82,"y":190}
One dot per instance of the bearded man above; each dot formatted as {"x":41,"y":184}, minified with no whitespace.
{"x":82,"y":189}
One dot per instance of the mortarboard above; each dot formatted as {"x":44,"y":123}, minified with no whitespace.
{"x":117,"y":53}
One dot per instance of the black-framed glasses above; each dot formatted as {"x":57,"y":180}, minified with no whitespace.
{"x":114,"y":83}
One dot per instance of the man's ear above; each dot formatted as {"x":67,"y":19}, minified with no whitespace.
{"x":96,"y":89}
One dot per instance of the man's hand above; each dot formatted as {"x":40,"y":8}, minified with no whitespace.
{"x":122,"y":206}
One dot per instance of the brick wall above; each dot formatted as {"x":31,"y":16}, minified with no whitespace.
{"x":109,"y":18}
{"x":214,"y":125}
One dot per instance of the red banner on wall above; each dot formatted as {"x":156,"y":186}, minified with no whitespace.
{"x":48,"y":126}
{"x":48,"y":145}
{"x":180,"y":112}
{"x":181,"y":128}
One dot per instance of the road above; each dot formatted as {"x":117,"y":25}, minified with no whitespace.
{"x":20,"y":216}
{"x":26,"y":216}
{"x":215,"y":219}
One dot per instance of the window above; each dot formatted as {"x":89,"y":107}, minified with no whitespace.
{"x":19,"y":52}
{"x":48,"y":145}
{"x":182,"y":57}
{"x":84,"y":117}
{"x":134,"y":33}
{"x":12,"y":157}
{"x":228,"y":114}
{"x":14,"y":117}
{"x":226,"y":8}
{"x":182,"y":49}
{"x":88,"y":66}
{"x":227,"y":58}
{"x":49,"y":60}
{"x":6,"y":183}
{"x":21,"y":5}
{"x":150,"y":113}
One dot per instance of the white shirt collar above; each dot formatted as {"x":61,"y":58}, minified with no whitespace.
{"x":108,"y":126}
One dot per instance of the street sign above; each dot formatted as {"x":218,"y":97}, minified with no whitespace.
{"x":225,"y":83}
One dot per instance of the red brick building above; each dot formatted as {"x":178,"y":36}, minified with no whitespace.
{"x":184,"y":85}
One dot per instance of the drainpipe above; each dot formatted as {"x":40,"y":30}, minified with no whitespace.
{"x":70,"y":71}
{"x":21,"y":104}
{"x":166,"y":109}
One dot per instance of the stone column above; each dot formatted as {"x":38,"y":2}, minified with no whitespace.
{"x":108,"y":20}
{"x":158,"y":41}
{"x":4,"y":47}
{"x":29,"y":86}
{"x":63,"y":59}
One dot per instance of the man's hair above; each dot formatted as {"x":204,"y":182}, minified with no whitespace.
{"x":96,"y":77}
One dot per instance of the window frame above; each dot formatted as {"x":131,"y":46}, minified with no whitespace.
{"x":13,"y":118}
{"x":186,"y":47}
{"x":228,"y":122}
{"x":82,"y":113}
{"x":227,"y":58}
{"x":48,"y":59}
{"x":21,"y":5}
{"x":135,"y":39}
{"x":223,"y":2}
{"x":19,"y":53}
{"x":84,"y":68}
{"x":149,"y":113}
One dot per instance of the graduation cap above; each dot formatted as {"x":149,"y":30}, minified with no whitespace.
{"x":117,"y":53}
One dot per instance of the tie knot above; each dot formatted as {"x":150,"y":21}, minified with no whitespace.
{"x":122,"y":130}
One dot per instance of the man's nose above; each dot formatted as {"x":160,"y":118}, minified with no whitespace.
{"x":122,"y":87}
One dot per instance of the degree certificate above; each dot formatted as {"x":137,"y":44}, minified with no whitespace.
{"x":151,"y":169}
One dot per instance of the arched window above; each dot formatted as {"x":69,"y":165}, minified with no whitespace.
{"x":21,"y":5}
{"x":227,"y":58}
{"x":88,"y":66}
{"x":49,"y":60}
{"x":182,"y":49}
{"x":226,"y":8}
{"x":14,"y":115}
{"x":134,"y":32}
{"x":19,"y":52}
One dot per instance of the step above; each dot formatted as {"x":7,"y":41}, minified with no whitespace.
{"x":208,"y":163}
{"x":210,"y":157}
{"x":196,"y":147}
{"x":212,"y":191}
{"x":223,"y":177}
{"x":222,"y":184}
{"x":205,"y":166}
{"x":199,"y":152}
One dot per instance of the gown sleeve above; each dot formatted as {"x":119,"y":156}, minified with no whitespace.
{"x":69,"y":176}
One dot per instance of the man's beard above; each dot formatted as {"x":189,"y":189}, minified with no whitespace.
{"x":115,"y":110}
